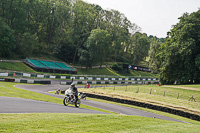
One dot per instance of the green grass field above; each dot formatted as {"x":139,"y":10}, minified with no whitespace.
{"x":90,"y":123}
{"x":50,"y":122}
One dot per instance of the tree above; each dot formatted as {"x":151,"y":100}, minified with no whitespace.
{"x":62,"y":27}
{"x":98,"y":45}
{"x":7,"y":40}
{"x":139,"y":47}
{"x":120,"y":29}
{"x":154,"y":58}
{"x":83,"y":23}
{"x":28,"y":45}
{"x":180,"y":52}
{"x":85,"y":58}
{"x":65,"y":45}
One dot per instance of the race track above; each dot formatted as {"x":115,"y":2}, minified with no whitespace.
{"x":19,"y":105}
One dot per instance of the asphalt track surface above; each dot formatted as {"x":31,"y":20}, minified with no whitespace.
{"x":19,"y":105}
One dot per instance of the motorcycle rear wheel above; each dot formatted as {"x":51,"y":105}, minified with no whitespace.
{"x":66,"y":101}
{"x":78,"y":103}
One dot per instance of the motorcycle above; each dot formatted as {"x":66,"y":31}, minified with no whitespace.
{"x":70,"y":99}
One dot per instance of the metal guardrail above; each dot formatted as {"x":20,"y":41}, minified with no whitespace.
{"x":79,"y":77}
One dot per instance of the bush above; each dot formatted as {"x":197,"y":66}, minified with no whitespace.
{"x":116,"y":67}
{"x":7,"y":40}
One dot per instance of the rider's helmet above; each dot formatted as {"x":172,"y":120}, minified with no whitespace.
{"x":72,"y":85}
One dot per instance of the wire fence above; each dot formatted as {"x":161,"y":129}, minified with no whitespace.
{"x":155,"y":91}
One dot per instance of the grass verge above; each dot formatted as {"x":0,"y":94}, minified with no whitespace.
{"x":150,"y":110}
{"x":90,"y":123}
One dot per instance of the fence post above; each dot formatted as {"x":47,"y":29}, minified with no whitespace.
{"x":150,"y":91}
{"x":178,"y":96}
{"x":114,"y":88}
{"x":164,"y":94}
{"x":126,"y":88}
{"x":137,"y":90}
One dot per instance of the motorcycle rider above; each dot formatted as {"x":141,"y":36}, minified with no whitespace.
{"x":74,"y":91}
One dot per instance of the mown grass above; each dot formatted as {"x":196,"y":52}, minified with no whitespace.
{"x":15,"y":66}
{"x":21,"y":67}
{"x":157,"y":95}
{"x":149,"y":110}
{"x":90,"y":123}
{"x":145,"y":74}
{"x":8,"y":90}
{"x":94,"y":71}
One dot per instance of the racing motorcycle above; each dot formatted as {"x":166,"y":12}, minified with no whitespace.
{"x":70,"y":99}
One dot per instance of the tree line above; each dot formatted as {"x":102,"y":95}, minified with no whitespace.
{"x":78,"y":32}
{"x":178,"y":58}
{"x":71,"y":30}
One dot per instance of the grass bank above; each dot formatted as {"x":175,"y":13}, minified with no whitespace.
{"x":94,"y":71}
{"x":21,"y":67}
{"x":90,"y":123}
{"x":15,"y":66}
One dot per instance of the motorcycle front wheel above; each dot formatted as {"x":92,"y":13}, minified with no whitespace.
{"x":78,"y":103}
{"x":66,"y":101}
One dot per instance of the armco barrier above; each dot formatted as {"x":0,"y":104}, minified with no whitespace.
{"x":2,"y":79}
{"x":81,"y":77}
{"x":26,"y":81}
{"x":109,"y":82}
{"x":9,"y":80}
{"x":147,"y":105}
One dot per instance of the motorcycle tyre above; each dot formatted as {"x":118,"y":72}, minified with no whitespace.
{"x":78,"y":103}
{"x":66,"y":101}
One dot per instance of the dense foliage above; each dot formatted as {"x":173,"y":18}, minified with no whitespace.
{"x":71,"y":30}
{"x":178,"y":59}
